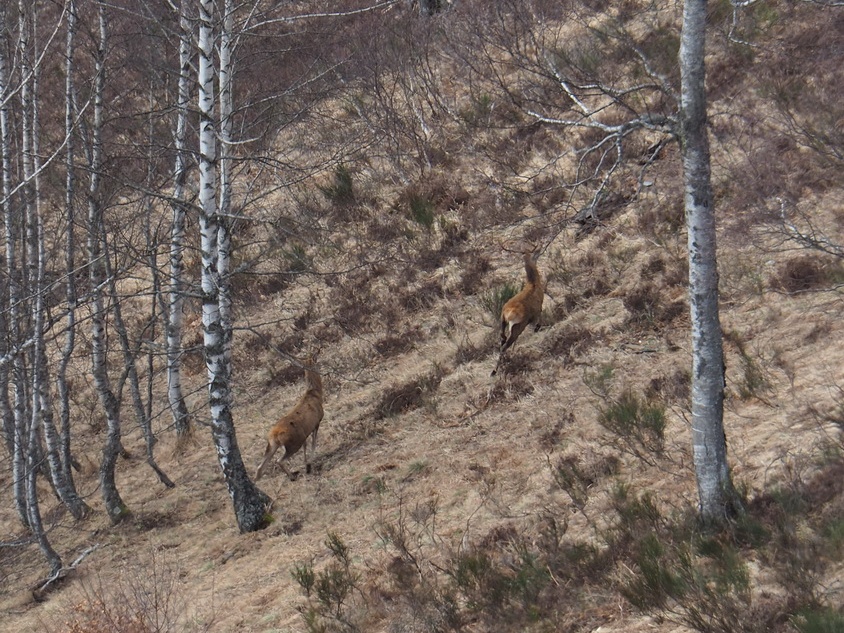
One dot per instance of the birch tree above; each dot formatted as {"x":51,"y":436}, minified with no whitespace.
{"x":115,"y":507}
{"x":250,"y":504}
{"x":178,"y":407}
{"x":572,"y":82}
{"x":24,"y":234}
{"x":15,"y":425}
{"x":41,"y":406}
{"x":717,"y":496}
{"x":71,"y":298}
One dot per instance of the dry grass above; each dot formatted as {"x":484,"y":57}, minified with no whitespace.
{"x":446,"y":501}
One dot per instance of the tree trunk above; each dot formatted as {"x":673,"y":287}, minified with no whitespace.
{"x":70,"y":245}
{"x":11,"y":220}
{"x":715,"y":489}
{"x":114,"y":504}
{"x":36,"y":526}
{"x":42,"y":402}
{"x":178,"y":408}
{"x":129,"y":367}
{"x":41,"y":396}
{"x":250,"y":504}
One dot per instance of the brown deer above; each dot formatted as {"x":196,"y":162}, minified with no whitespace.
{"x":294,"y":427}
{"x":523,"y":309}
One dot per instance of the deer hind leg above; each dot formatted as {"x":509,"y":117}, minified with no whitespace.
{"x":268,"y":455}
{"x":516,"y":330}
{"x":290,"y":476}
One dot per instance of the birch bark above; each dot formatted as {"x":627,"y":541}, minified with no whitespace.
{"x":178,"y":408}
{"x":71,"y":297}
{"x":115,"y":507}
{"x":15,"y":426}
{"x":715,"y":489}
{"x":250,"y":504}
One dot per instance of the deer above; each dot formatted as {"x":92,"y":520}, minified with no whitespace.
{"x":295,"y":426}
{"x":523,"y":309}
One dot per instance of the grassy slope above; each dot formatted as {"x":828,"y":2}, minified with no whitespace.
{"x":473,"y":452}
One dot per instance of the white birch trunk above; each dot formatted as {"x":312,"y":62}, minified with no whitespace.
{"x":41,"y":395}
{"x":36,"y":526}
{"x":11,"y":227}
{"x":70,"y":244}
{"x":41,"y":406}
{"x":8,"y":234}
{"x":178,"y":407}
{"x":716,"y":494}
{"x":114,"y":504}
{"x":250,"y":504}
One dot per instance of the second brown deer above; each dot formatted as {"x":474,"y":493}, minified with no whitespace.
{"x":294,"y":427}
{"x":524,"y":309}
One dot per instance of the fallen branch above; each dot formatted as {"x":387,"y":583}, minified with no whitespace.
{"x":39,"y":591}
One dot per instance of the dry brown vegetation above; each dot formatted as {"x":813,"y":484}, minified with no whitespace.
{"x":558,"y":496}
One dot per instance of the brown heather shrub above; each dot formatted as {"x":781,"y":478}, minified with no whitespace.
{"x":661,"y":221}
{"x":287,"y":374}
{"x":647,"y":307}
{"x":473,"y":273}
{"x":570,"y":342}
{"x":423,"y":297}
{"x":800,"y":274}
{"x":408,"y":396}
{"x":395,"y":344}
{"x":468,"y":352}
{"x":673,"y":388}
{"x":511,"y":388}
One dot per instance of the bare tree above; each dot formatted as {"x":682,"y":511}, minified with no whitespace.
{"x":15,"y":425}
{"x":71,"y":298}
{"x":115,"y":506}
{"x":250,"y":504}
{"x":178,"y":407}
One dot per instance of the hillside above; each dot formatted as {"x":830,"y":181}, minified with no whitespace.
{"x":444,"y":499}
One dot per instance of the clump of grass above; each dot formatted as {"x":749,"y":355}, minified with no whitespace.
{"x":600,"y":380}
{"x":296,"y":259}
{"x":754,"y":380}
{"x":572,"y":478}
{"x":422,"y":211}
{"x":478,"y":112}
{"x":340,"y":190}
{"x":819,"y":620}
